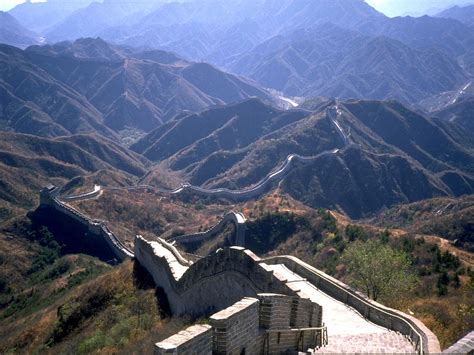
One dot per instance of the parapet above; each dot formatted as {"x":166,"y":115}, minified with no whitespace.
{"x":250,"y":326}
{"x":193,"y":340}
{"x":210,"y":284}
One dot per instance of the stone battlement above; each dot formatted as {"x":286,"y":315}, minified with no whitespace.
{"x":232,"y":217}
{"x":210,"y":284}
{"x":251,"y":326}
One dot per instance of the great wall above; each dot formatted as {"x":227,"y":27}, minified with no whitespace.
{"x":264,"y":306}
{"x":267,"y":182}
{"x":269,"y":306}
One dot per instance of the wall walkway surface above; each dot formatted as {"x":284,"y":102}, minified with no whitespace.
{"x":462,"y":346}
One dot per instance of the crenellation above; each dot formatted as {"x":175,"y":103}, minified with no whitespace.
{"x":248,"y":327}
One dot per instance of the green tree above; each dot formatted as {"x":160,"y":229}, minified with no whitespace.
{"x":378,"y":269}
{"x":355,"y":233}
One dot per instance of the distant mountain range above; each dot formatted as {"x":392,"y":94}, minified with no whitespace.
{"x":13,"y":33}
{"x":91,"y":86}
{"x":464,"y":14}
{"x":397,"y":155}
{"x":205,"y":126}
{"x":39,"y":16}
{"x":333,"y":48}
{"x":330,"y":61}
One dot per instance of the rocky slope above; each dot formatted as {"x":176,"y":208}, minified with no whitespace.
{"x":389,"y":154}
{"x":90,"y":86}
{"x":330,"y":61}
{"x":29,"y":163}
{"x":13,"y":33}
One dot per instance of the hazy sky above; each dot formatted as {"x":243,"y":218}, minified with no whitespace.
{"x":389,"y":7}
{"x":414,"y":7}
{"x":6,"y":5}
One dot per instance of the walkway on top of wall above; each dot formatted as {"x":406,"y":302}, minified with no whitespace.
{"x":348,"y":330}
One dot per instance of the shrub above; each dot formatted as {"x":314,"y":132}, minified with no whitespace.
{"x":355,"y":233}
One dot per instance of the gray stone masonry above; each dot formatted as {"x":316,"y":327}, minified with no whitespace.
{"x":195,"y":340}
{"x":462,"y":346}
{"x":236,"y":328}
{"x":252,"y":325}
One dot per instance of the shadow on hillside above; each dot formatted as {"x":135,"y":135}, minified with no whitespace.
{"x":73,"y":237}
{"x":143,"y":280}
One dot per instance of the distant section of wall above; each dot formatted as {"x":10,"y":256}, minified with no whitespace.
{"x":237,"y":219}
{"x":193,"y":340}
{"x":270,"y":180}
{"x":423,"y":339}
{"x":49,"y":197}
{"x":81,"y":197}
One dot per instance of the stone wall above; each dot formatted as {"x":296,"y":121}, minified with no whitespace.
{"x":423,"y":339}
{"x":193,"y":340}
{"x":251,"y":326}
{"x":236,"y":218}
{"x":210,"y":284}
{"x":85,"y":196}
{"x":49,"y":197}
{"x":236,"y":328}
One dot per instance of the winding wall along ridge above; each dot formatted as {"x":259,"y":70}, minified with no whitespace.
{"x":238,"y":219}
{"x":190,"y":287}
{"x":238,"y":195}
{"x":263,"y":185}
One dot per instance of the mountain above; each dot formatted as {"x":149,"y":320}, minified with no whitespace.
{"x":330,"y":61}
{"x":35,"y":102}
{"x":13,"y":33}
{"x":28,"y":163}
{"x":84,"y":48}
{"x":227,"y":128}
{"x":92,"y":19}
{"x":460,"y":113}
{"x":217,"y":30}
{"x":458,"y":118}
{"x":464,"y":14}
{"x":38,"y":16}
{"x":396,"y":155}
{"x":448,"y":36}
{"x":91,"y":86}
{"x":450,"y":218}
